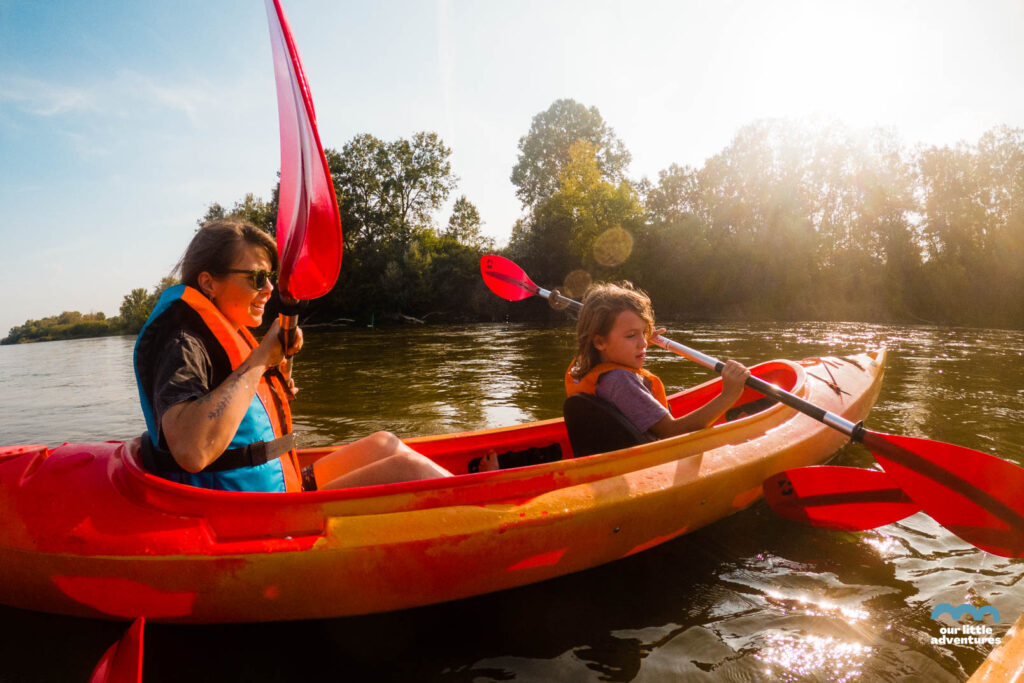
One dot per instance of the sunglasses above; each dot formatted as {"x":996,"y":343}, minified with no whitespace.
{"x":257,"y":278}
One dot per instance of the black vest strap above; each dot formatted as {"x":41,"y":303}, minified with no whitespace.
{"x":159,"y":461}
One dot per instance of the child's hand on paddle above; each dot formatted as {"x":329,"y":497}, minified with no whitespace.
{"x":734,"y":376}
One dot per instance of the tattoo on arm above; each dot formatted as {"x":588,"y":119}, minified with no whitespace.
{"x":229,"y":390}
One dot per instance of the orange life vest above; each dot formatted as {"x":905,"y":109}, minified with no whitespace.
{"x":588,"y":383}
{"x":271,"y":394}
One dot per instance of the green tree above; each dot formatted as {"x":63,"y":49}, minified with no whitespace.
{"x":544,"y":150}
{"x":166,"y":282}
{"x":464,"y":225}
{"x":213,"y":212}
{"x":67,"y":325}
{"x":973,"y":228}
{"x":764,"y":254}
{"x":251,"y":208}
{"x":587,"y":223}
{"x":673,"y":249}
{"x":135,"y":308}
{"x":1001,"y":152}
{"x":258,"y":212}
{"x":388,"y":191}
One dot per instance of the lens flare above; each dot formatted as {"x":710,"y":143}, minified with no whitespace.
{"x":612,"y":247}
{"x":576,"y":284}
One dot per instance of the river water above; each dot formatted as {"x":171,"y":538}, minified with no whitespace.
{"x":750,"y":598}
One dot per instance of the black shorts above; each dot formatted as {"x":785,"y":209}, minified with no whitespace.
{"x":308,"y":479}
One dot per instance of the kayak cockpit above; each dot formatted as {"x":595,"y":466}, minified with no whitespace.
{"x":546,"y":441}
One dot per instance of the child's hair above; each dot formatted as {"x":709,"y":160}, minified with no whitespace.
{"x":601,"y":305}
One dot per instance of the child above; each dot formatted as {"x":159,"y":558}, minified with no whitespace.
{"x":612,"y":337}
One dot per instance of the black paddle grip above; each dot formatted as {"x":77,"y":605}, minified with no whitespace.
{"x":787,"y":398}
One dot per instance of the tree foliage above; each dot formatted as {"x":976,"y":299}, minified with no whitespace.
{"x":67,"y":325}
{"x":389,"y":191}
{"x":253,"y":209}
{"x":544,"y":150}
{"x":135,"y":308}
{"x":464,"y":225}
{"x":805,"y":220}
{"x":588,"y":223}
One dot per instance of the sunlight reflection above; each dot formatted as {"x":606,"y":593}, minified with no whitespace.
{"x":818,"y":608}
{"x":794,"y":657}
{"x":501,"y":416}
{"x":884,"y":544}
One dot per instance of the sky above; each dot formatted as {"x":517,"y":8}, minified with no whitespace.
{"x":122,"y":121}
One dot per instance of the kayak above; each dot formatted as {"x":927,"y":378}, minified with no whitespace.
{"x":88,"y":532}
{"x":1004,"y":664}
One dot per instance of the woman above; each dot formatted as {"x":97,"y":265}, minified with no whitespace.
{"x":215,"y":403}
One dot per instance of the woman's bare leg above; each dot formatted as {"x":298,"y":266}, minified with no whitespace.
{"x":385,"y":457}
{"x":397,"y":468}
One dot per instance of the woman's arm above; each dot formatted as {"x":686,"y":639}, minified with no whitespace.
{"x":734,"y":374}
{"x":199,"y":431}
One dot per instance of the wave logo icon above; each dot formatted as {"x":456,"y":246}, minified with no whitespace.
{"x":978,"y":613}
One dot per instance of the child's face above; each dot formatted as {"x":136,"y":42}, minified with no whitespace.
{"x":625,"y":343}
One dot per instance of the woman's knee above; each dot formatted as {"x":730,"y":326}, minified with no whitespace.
{"x":416,"y":464}
{"x":383,"y":440}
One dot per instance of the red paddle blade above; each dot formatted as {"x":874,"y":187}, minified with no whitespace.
{"x":846,"y":498}
{"x":506,"y":279}
{"x":977,"y":496}
{"x":308,"y":223}
{"x":122,"y":662}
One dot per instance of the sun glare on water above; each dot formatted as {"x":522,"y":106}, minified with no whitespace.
{"x":794,"y":655}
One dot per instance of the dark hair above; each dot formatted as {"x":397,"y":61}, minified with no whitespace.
{"x":601,"y":305}
{"x":216,"y":244}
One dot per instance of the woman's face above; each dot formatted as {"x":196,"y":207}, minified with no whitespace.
{"x":233,"y":293}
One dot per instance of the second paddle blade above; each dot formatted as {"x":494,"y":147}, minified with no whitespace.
{"x":846,"y":498}
{"x":977,"y":496}
{"x":506,"y":279}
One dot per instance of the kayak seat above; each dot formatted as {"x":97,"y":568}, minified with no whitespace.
{"x":597,"y":426}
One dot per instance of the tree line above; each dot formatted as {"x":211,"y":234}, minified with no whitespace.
{"x":135,"y":308}
{"x":790,"y":221}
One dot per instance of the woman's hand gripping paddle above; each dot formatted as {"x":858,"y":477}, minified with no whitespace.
{"x":309,"y":240}
{"x":975,"y":495}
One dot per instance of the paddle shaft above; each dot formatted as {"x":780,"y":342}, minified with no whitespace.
{"x":289,"y":321}
{"x":853,"y":430}
{"x":288,"y":325}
